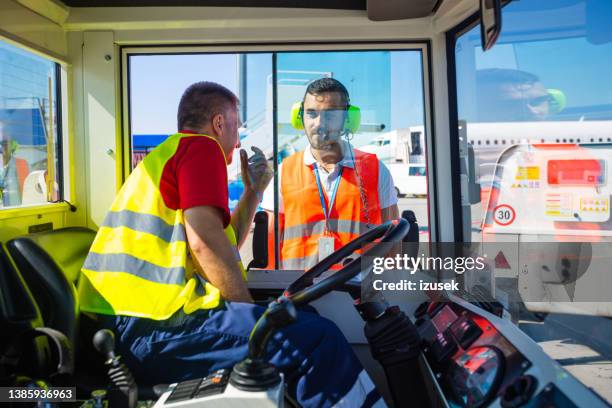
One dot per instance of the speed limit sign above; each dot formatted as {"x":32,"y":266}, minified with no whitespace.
{"x":504,"y":214}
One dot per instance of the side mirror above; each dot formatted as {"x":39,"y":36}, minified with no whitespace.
{"x":260,"y":241}
{"x":490,"y":22}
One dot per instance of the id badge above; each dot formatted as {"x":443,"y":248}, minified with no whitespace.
{"x":326,"y":247}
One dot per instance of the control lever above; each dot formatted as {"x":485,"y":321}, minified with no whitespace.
{"x":104,"y":342}
{"x":123,"y":392}
{"x":254,"y":373}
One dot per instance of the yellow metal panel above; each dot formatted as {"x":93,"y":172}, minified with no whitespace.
{"x":16,"y":222}
{"x":100,"y":122}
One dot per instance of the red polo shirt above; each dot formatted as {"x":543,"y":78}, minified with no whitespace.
{"x":196,"y":176}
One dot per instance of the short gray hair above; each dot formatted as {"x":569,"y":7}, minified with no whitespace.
{"x":201,"y":102}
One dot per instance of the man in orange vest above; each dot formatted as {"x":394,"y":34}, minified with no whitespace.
{"x":330,"y":193}
{"x":13,"y":172}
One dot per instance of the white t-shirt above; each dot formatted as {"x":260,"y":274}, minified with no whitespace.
{"x":386,"y":189}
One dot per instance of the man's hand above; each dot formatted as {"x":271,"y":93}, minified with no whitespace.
{"x":213,"y":254}
{"x":388,"y":214}
{"x":256,"y":172}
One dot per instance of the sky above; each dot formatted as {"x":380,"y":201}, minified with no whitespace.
{"x":387,"y":86}
{"x":158,"y":81}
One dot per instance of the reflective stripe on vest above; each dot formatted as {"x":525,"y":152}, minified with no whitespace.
{"x":138,"y":264}
{"x":304,"y":221}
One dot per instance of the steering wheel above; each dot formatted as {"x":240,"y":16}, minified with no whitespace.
{"x":283,"y":311}
{"x":303,"y":291}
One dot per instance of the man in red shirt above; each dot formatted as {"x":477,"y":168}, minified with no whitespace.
{"x":205,"y":323}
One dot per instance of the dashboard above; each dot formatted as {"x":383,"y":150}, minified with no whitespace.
{"x":479,"y":359}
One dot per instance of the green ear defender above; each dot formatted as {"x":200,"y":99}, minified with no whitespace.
{"x":12,"y":147}
{"x":297,"y":116}
{"x":353,"y":119}
{"x":351,"y":124}
{"x":558,"y":101}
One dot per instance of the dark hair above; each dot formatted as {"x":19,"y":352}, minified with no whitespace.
{"x":201,"y":102}
{"x":322,"y":85}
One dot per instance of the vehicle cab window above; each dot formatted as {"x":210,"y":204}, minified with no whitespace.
{"x":536,"y":111}
{"x":31,"y":148}
{"x":387,"y":122}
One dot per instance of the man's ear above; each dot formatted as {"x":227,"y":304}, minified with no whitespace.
{"x":218,"y":123}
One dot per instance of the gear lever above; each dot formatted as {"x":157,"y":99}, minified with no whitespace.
{"x":123,"y":392}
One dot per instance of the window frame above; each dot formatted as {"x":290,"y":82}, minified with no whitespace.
{"x":62,"y":137}
{"x":423,"y":46}
{"x":451,"y":38}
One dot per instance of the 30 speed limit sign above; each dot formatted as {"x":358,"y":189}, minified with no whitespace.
{"x":504,"y":215}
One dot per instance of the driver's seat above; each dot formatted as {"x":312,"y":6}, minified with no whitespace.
{"x":50,"y":263}
{"x":30,"y":353}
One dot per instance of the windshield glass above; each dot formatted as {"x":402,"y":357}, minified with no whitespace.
{"x":536,"y":112}
{"x":381,"y":126}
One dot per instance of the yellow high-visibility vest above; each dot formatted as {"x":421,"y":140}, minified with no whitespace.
{"x":138,"y":264}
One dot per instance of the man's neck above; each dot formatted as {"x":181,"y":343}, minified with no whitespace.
{"x":327,"y":158}
{"x":202,"y":131}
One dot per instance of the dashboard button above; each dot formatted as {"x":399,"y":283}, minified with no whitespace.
{"x":443,"y":347}
{"x":465,"y":331}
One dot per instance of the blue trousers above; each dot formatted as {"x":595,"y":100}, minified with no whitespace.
{"x":319,"y":366}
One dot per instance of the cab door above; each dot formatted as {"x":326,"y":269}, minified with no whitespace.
{"x":532,"y":124}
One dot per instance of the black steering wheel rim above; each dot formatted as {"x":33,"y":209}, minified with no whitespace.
{"x":303,"y":290}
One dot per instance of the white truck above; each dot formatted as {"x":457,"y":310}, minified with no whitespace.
{"x":403,"y":152}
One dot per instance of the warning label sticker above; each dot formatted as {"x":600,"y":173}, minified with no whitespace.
{"x":527,"y":177}
{"x":558,"y":206}
{"x":594,"y":208}
{"x":594,"y":204}
{"x":528,"y":173}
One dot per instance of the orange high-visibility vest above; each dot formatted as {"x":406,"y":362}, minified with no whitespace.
{"x":22,"y":172}
{"x":304,"y":221}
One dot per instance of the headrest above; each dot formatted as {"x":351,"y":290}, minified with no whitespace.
{"x":68,"y":247}
{"x":16,"y":303}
